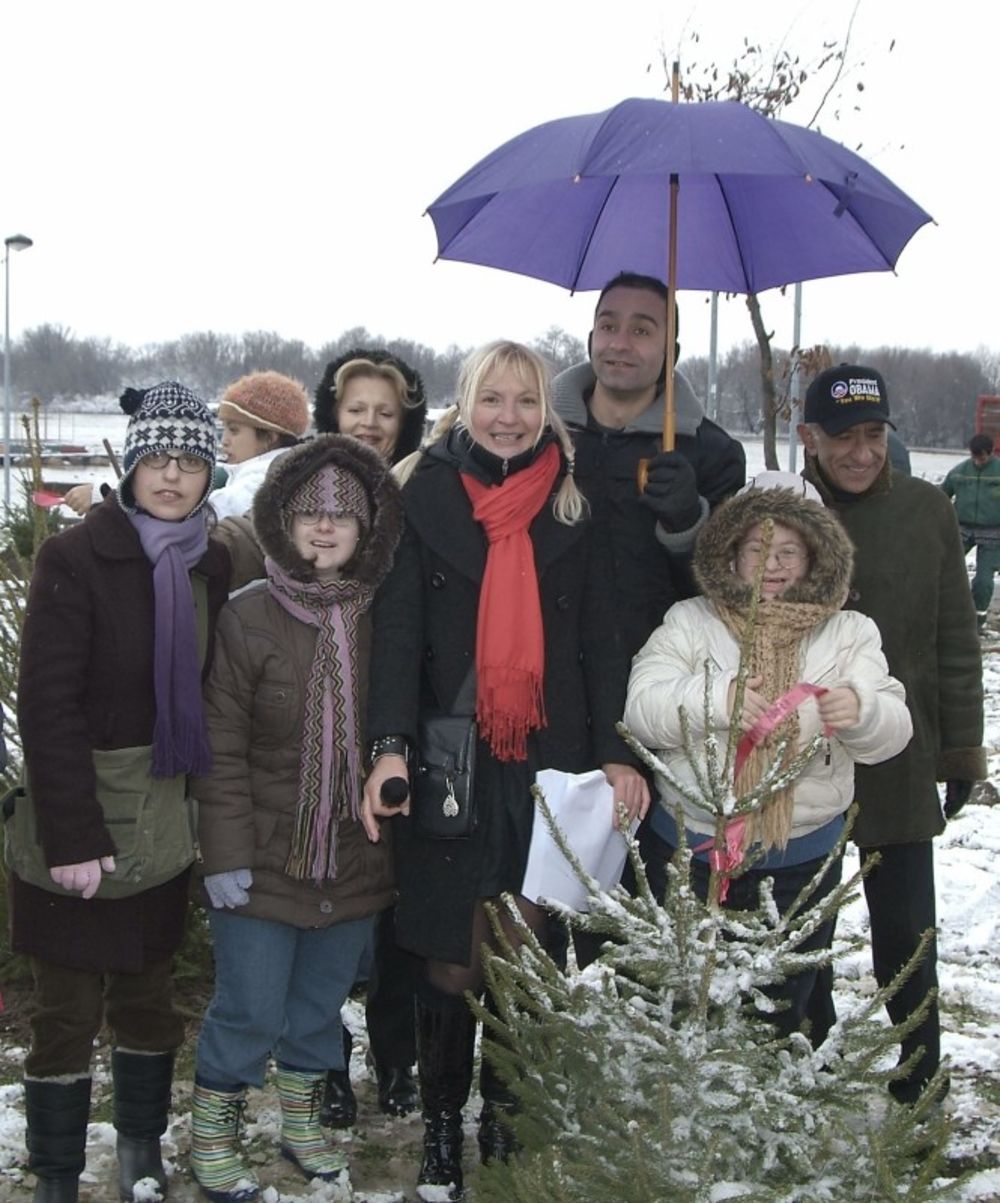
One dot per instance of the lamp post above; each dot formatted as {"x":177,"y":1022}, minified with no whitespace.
{"x":16,"y":242}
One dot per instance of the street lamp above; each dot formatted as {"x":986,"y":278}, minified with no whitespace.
{"x":16,"y":242}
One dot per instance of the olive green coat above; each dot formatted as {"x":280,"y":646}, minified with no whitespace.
{"x":910,"y":577}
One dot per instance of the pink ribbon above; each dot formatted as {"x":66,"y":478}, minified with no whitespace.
{"x":724,"y":860}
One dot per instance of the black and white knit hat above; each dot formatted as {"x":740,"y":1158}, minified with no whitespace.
{"x":166,"y":417}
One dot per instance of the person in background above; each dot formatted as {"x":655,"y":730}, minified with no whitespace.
{"x":262,"y":415}
{"x":613,"y":406}
{"x":974,"y":486}
{"x":910,"y":577}
{"x":802,"y":569}
{"x":496,"y":591}
{"x":292,"y":882}
{"x":376,"y":397}
{"x":117,"y":635}
{"x":373,"y":395}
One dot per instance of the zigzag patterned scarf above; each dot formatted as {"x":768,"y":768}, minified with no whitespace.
{"x":330,"y":760}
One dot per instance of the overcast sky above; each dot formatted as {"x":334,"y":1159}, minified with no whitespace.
{"x":265,"y":166}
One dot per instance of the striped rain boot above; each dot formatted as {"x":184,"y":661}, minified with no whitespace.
{"x":217,"y":1161}
{"x":303,"y":1141}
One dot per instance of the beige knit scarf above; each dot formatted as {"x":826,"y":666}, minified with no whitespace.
{"x":774,"y":656}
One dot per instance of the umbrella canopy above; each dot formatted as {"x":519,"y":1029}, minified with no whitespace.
{"x":762,"y":203}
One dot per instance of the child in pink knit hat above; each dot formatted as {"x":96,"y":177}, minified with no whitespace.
{"x":262,"y":415}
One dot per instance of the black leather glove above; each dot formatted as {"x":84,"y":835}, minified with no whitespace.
{"x":956,"y":794}
{"x":671,"y":491}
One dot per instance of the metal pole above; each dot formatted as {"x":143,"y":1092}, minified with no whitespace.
{"x":6,"y":378}
{"x":795,"y":384}
{"x":16,"y":242}
{"x":713,"y":361}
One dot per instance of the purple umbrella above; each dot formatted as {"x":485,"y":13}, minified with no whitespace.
{"x":762,"y":203}
{"x":710,"y":196}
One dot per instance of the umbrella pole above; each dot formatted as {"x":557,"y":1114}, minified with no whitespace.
{"x":669,"y":413}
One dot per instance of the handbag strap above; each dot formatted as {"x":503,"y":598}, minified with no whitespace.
{"x":465,"y":702}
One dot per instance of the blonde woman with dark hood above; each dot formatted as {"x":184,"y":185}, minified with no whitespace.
{"x":802,"y":567}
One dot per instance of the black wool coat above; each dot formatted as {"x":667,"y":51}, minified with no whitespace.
{"x":425,"y":621}
{"x":86,"y":682}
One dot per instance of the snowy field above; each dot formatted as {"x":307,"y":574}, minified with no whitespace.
{"x":385,"y":1152}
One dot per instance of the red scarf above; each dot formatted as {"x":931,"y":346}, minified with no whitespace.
{"x":510,"y":646}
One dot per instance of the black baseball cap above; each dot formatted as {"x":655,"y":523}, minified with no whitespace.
{"x":841,"y":397}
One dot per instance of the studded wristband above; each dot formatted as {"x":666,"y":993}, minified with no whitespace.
{"x":389,"y":745}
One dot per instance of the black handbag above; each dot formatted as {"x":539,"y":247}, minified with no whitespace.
{"x":442,"y":784}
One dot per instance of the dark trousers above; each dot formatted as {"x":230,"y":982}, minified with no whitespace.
{"x":390,"y":1008}
{"x":901,"y":906}
{"x":809,"y":995}
{"x":69,"y":1006}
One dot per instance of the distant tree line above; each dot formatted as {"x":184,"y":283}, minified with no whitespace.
{"x":50,"y":363}
{"x":932,"y":395}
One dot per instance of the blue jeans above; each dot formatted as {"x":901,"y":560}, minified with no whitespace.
{"x":278,"y":992}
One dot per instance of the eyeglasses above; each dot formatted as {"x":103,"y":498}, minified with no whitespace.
{"x":313,"y":517}
{"x":788,"y":556}
{"x":186,"y":463}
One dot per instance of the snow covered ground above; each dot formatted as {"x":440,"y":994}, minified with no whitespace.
{"x":386,"y":1153}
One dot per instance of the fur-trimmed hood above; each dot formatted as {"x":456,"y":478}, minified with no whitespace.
{"x":831,"y":554}
{"x":414,"y":413}
{"x":289,"y":472}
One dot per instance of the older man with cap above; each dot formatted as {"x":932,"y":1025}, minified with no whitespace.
{"x":910,"y":577}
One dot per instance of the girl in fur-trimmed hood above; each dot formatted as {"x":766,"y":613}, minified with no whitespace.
{"x":292,"y":883}
{"x":781,"y":542}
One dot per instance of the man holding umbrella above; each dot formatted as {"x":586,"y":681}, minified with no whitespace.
{"x":910,"y":577}
{"x":613,"y":406}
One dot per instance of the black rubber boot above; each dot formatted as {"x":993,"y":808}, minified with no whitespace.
{"x":142,"y":1084}
{"x":56,"y":1136}
{"x":339,"y":1108}
{"x":496,"y":1137}
{"x":446,"y":1035}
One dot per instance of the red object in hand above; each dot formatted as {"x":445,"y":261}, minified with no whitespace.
{"x":46,"y":499}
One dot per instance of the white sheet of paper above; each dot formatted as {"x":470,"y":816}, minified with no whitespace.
{"x":582,"y":805}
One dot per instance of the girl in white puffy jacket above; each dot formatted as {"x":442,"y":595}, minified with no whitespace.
{"x":800,"y":636}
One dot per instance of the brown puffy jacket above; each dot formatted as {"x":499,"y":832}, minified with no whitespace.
{"x":255,"y":705}
{"x":255,"y":701}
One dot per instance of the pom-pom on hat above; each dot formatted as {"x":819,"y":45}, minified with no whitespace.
{"x":846,"y":395}
{"x":166,"y":417}
{"x":269,"y":401}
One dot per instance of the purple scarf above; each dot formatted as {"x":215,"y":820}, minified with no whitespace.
{"x":180,"y":736}
{"x":330,"y":761}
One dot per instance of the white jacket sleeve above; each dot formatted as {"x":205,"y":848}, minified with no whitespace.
{"x":884,"y":727}
{"x":669,"y":673}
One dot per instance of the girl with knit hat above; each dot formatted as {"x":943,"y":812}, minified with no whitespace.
{"x":292,"y":883}
{"x":496,"y":604}
{"x":262,"y":415}
{"x":774,"y":537}
{"x":117,"y":634}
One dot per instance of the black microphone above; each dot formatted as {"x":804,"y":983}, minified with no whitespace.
{"x":394,"y":791}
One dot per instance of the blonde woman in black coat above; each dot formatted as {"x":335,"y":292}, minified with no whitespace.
{"x":496,"y":573}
